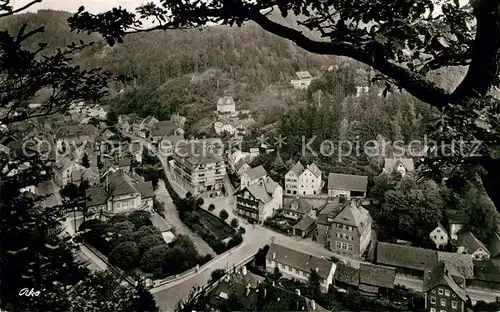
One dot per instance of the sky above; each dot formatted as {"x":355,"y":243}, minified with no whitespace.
{"x":93,"y":6}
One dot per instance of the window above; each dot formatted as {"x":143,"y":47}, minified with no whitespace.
{"x":454,"y":304}
{"x":433,"y":291}
{"x":443,"y":302}
{"x":349,"y":247}
{"x":453,"y":295}
{"x":435,"y":236}
{"x":438,"y":230}
{"x":433,"y":300}
{"x":338,"y":245}
{"x":447,"y":292}
{"x":440,"y":291}
{"x":442,"y":237}
{"x":433,"y":309}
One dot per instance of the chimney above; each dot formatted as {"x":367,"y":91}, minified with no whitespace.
{"x":244,"y":270}
{"x":274,"y":255}
{"x":297,"y":291}
{"x":313,"y":305}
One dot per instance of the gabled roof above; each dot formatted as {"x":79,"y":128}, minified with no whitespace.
{"x":346,"y":274}
{"x":299,"y":260}
{"x":347,"y":182}
{"x":377,"y":275}
{"x":303,"y":75}
{"x":303,"y":206}
{"x":405,"y":256}
{"x":297,"y":169}
{"x":314,"y":169}
{"x":225,"y":100}
{"x":256,"y":173}
{"x":469,"y":241}
{"x":354,"y":215}
{"x":441,"y":226}
{"x":445,"y":275}
{"x":240,"y":164}
{"x":330,"y":210}
{"x":390,"y":164}
{"x":145,"y":188}
{"x":96,"y":196}
{"x":76,"y":130}
{"x":264,"y":192}
{"x":494,"y":245}
{"x":122,"y":162}
{"x":304,"y":223}
{"x":462,"y":263}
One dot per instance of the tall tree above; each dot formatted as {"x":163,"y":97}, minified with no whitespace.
{"x":34,"y":255}
{"x":404,"y":42}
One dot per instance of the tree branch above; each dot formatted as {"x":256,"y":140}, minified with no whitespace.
{"x":8,"y":13}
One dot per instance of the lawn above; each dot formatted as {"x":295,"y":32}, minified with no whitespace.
{"x":217,"y":226}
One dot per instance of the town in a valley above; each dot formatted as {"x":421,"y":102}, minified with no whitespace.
{"x":229,"y":169}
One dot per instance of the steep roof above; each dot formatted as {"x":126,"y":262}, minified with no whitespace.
{"x":96,"y":196}
{"x":354,"y":215}
{"x":256,"y":173}
{"x":494,"y":245}
{"x":330,"y":210}
{"x":471,"y":243}
{"x":487,"y":270}
{"x":263,"y":192}
{"x":347,"y":182}
{"x":304,"y":223}
{"x":314,"y":169}
{"x":145,"y":188}
{"x":444,"y":274}
{"x":302,"y":205}
{"x":297,"y":169}
{"x":405,"y":256}
{"x":390,"y":164}
{"x":240,"y":164}
{"x":462,"y":263}
{"x":225,"y":100}
{"x":377,"y":275}
{"x":299,"y":260}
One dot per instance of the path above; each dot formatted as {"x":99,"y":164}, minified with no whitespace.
{"x":172,"y":218}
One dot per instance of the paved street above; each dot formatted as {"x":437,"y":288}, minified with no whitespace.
{"x":173,"y":220}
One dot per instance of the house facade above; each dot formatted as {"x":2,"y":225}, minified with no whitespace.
{"x":292,"y":179}
{"x":439,"y":236}
{"x":253,"y":176}
{"x":294,"y":264}
{"x":444,"y":289}
{"x":350,"y":186}
{"x":226,"y":105}
{"x":469,"y":244}
{"x":351,"y":230}
{"x":199,"y":166}
{"x":63,"y":171}
{"x":401,"y":165}
{"x":259,"y":201}
{"x":300,"y":180}
{"x":296,"y":208}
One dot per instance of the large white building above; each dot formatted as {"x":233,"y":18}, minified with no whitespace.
{"x":303,"y":181}
{"x":226,"y":105}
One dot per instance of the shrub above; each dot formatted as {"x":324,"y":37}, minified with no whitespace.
{"x":153,"y":259}
{"x":217,"y":274}
{"x":235,"y":223}
{"x":242,"y":230}
{"x":148,"y":242}
{"x":125,"y":255}
{"x":235,"y":240}
{"x":140,"y":218}
{"x":223,"y":214}
{"x":211,"y":207}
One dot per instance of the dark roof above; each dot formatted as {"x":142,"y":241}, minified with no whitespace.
{"x":405,"y":256}
{"x":488,"y":271}
{"x":445,"y":275}
{"x":494,"y":245}
{"x":330,"y":210}
{"x":469,"y":241}
{"x":96,"y":196}
{"x":164,"y":128}
{"x":354,"y":215}
{"x":76,"y":130}
{"x":461,"y":262}
{"x":256,"y":173}
{"x":304,"y":223}
{"x":377,"y":275}
{"x":119,"y":184}
{"x":240,"y":164}
{"x":391,"y":164}
{"x":347,"y":274}
{"x":456,"y":216}
{"x":297,"y":169}
{"x":145,"y":188}
{"x":299,"y":260}
{"x":302,"y":205}
{"x":347,"y":182}
{"x":122,"y":162}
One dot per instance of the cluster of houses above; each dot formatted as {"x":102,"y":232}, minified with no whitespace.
{"x":151,"y":128}
{"x":231,"y":121}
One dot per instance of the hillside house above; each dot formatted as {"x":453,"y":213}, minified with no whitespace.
{"x":253,"y":176}
{"x":444,"y":289}
{"x":260,"y":200}
{"x":350,"y":186}
{"x":486,"y":275}
{"x":401,"y":165}
{"x":198,"y":165}
{"x":120,"y":194}
{"x":360,"y":90}
{"x":351,"y":230}
{"x":294,"y":264}
{"x":226,"y":105}
{"x":304,"y":80}
{"x":439,"y":236}
{"x":469,"y":244}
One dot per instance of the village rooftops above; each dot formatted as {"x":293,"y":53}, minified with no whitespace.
{"x":347,"y":182}
{"x":297,"y":204}
{"x":263,"y":192}
{"x":462,"y":263}
{"x":330,"y":211}
{"x":297,"y":169}
{"x":304,"y":223}
{"x":347,"y":274}
{"x":354,"y":215}
{"x":391,"y":164}
{"x":164,"y":128}
{"x":314,"y":169}
{"x":467,"y":239}
{"x":299,"y":260}
{"x":256,"y":173}
{"x":225,"y":101}
{"x":240,"y":164}
{"x":445,"y":275}
{"x":405,"y":256}
{"x":377,"y":275}
{"x":76,"y":131}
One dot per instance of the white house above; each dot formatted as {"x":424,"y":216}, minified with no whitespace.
{"x":439,"y":236}
{"x":253,"y":176}
{"x":310,"y":180}
{"x":226,"y":105}
{"x":304,"y":80}
{"x":360,"y":90}
{"x":292,"y":179}
{"x":401,"y":165}
{"x":241,"y":167}
{"x":294,"y":264}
